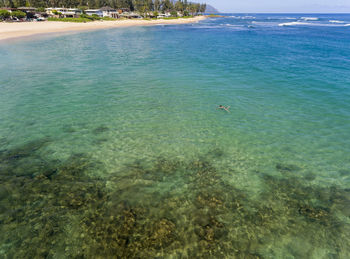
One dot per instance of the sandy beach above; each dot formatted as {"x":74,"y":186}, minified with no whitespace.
{"x":25,"y":29}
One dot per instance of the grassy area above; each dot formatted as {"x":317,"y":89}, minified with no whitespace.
{"x":108,"y":19}
{"x":80,"y":19}
{"x":167,"y":18}
{"x":173,"y":18}
{"x":214,"y":15}
{"x":53,"y":19}
{"x":90,"y":19}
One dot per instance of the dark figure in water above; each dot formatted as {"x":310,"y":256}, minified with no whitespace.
{"x":224,"y":108}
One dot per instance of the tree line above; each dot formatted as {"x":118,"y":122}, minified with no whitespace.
{"x":142,"y":6}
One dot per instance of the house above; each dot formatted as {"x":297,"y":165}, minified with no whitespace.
{"x":123,"y":10}
{"x":65,"y":12}
{"x":164,"y":15}
{"x":97,"y":12}
{"x":109,"y":12}
{"x":161,"y":16}
{"x":10,"y":10}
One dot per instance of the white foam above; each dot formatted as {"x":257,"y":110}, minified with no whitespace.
{"x":336,"y":21}
{"x":293,"y":23}
{"x":313,"y":24}
{"x":281,"y":18}
{"x":231,"y":25}
{"x":265,"y":24}
{"x":248,"y":17}
{"x":309,"y":18}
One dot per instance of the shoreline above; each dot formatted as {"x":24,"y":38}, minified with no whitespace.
{"x":9,"y":31}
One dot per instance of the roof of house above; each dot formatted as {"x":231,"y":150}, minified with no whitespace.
{"x":27,"y":8}
{"x":7,"y":8}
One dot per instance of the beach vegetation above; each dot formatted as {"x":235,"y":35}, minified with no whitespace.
{"x":173,"y":13}
{"x":83,"y":7}
{"x":55,"y":12}
{"x":55,"y":19}
{"x":83,"y":18}
{"x":174,"y":18}
{"x":41,"y":9}
{"x":18,"y":14}
{"x":4,"y":14}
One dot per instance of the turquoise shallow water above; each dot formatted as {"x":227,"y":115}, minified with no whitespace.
{"x":112,"y":146}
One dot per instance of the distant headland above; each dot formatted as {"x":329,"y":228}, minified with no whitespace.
{"x":211,"y":9}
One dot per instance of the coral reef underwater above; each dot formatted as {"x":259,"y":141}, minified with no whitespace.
{"x":165,"y":208}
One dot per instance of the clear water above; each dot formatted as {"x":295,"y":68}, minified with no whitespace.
{"x":112,"y":146}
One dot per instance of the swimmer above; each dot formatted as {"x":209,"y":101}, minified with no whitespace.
{"x":224,"y":108}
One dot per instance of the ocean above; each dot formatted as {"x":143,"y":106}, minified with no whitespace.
{"x":112,"y":146}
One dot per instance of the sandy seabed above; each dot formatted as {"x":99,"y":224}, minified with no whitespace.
{"x":25,"y":29}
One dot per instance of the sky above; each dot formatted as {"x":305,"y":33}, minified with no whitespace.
{"x":280,"y":6}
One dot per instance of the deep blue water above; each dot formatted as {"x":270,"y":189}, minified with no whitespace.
{"x":111,"y":143}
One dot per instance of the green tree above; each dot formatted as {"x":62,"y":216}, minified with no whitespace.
{"x":179,"y":6}
{"x":167,"y":6}
{"x":203,"y":7}
{"x":4,"y":14}
{"x":185,"y":5}
{"x":40,"y":9}
{"x":157,"y":5}
{"x":18,"y":14}
{"x":142,"y":6}
{"x":192,"y":8}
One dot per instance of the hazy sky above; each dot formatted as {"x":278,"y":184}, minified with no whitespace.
{"x":282,"y":6}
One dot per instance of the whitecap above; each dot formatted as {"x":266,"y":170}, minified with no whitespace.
{"x":266,"y":24}
{"x":281,"y":18}
{"x":230,"y":25}
{"x":248,"y":17}
{"x":293,"y":23}
{"x":336,"y":21}
{"x":309,"y":18}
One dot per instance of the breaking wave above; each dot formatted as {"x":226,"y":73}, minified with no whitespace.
{"x":309,"y":18}
{"x":293,"y":23}
{"x":336,"y":21}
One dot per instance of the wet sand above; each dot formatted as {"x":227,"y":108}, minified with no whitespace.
{"x":25,"y":29}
